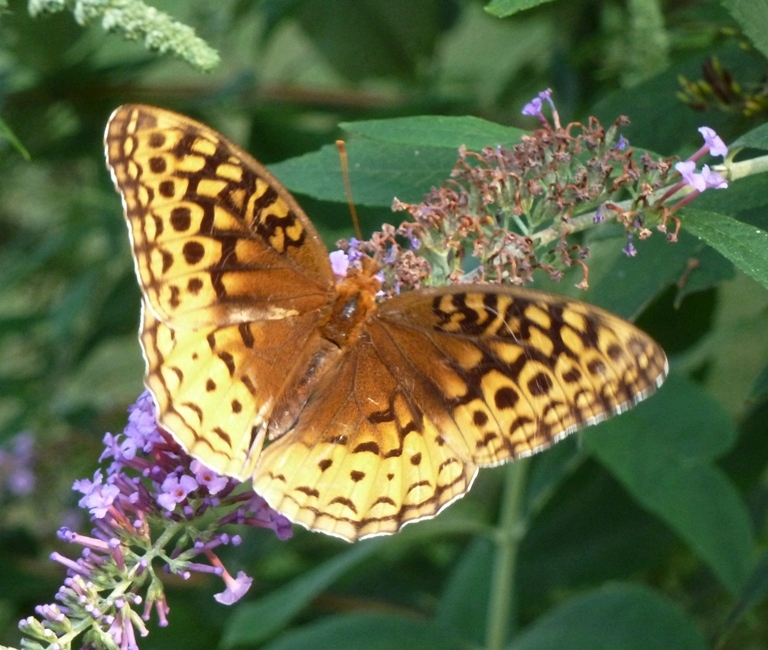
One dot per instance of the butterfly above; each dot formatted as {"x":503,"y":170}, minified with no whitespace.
{"x":350,"y":416}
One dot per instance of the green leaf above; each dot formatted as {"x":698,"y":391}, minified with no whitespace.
{"x":401,"y":157}
{"x":254,"y":622}
{"x":745,"y":200}
{"x":378,"y":172}
{"x":625,"y":285}
{"x":504,"y":8}
{"x":662,"y":453}
{"x":704,"y":270}
{"x":757,"y":138}
{"x":374,"y":39}
{"x":745,"y":245}
{"x":658,"y":123}
{"x":752,"y":17}
{"x":464,"y":603}
{"x":760,"y":386}
{"x":588,"y":531}
{"x":617,"y":617}
{"x":436,"y":131}
{"x":368,"y":632}
{"x":754,"y":592}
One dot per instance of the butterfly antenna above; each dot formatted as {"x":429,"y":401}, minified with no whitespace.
{"x":342,"y":148}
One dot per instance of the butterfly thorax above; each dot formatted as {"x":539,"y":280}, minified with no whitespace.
{"x":355,"y":302}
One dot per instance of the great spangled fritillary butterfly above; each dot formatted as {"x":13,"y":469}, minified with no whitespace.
{"x":352,"y":418}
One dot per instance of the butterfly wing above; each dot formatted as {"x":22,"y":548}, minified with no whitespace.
{"x":518,"y":370}
{"x":214,"y":387}
{"x":363,"y":458}
{"x":233,"y":274}
{"x":216,"y":239}
{"x":443,"y":381}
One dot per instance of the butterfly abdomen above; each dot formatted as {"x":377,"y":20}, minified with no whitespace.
{"x":338,"y":331}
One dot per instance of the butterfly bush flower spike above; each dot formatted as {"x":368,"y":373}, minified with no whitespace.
{"x":508,"y":212}
{"x":150,"y":509}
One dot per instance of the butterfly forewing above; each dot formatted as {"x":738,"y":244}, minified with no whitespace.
{"x":516,"y":369}
{"x":215,"y":238}
{"x":214,"y":386}
{"x":374,"y":416}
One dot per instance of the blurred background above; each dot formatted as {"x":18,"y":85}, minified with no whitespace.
{"x":290,"y":72}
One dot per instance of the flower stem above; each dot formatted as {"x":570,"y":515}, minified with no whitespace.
{"x":511,"y":528}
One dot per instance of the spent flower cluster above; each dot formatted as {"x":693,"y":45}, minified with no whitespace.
{"x":506,"y":212}
{"x":154,"y":507}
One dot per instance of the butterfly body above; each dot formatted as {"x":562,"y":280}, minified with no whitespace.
{"x":351,"y":417}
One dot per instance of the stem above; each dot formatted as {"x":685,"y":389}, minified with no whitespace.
{"x":734,"y":170}
{"x":511,"y":528}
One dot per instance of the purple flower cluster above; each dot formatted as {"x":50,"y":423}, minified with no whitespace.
{"x":152,"y":496}
{"x":692,"y":181}
{"x":16,"y":475}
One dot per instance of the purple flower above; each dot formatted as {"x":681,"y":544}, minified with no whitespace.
{"x":99,"y":497}
{"x":687,"y":170}
{"x":533,"y":107}
{"x":15,"y":465}
{"x":207,"y":478}
{"x":111,"y":447}
{"x":599,"y":214}
{"x":21,"y":482}
{"x":151,"y":474}
{"x":713,"y":180}
{"x":175,"y":489}
{"x":142,"y":423}
{"x":354,"y":251}
{"x":339,"y":263}
{"x":236,"y":588}
{"x":707,"y":179}
{"x":714,"y":142}
{"x":622,"y":144}
{"x":546,"y":95}
{"x":391,"y":255}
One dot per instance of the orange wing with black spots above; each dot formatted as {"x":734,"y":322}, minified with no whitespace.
{"x":442,"y":382}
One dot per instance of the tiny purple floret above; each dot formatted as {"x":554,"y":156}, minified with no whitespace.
{"x":236,"y":588}
{"x":533,"y":107}
{"x":339,"y":263}
{"x":715,"y":143}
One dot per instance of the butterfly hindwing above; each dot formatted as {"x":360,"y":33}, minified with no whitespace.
{"x":363,"y":459}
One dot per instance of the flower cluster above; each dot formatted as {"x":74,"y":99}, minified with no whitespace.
{"x":153,"y":506}
{"x":16,"y":475}
{"x":505,"y":213}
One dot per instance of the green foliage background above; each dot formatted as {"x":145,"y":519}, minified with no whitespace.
{"x":648,"y":531}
